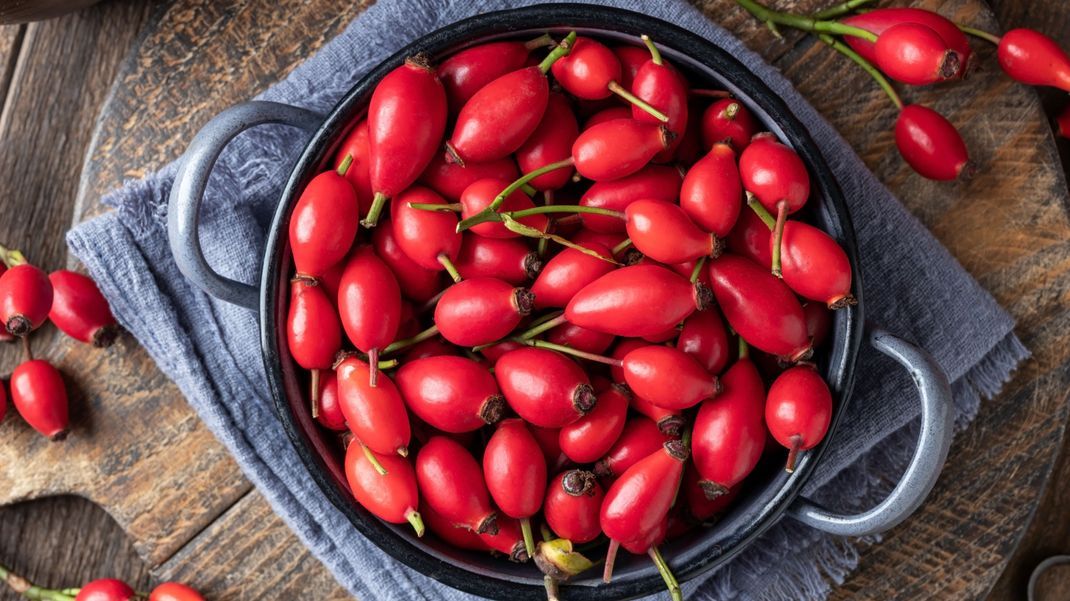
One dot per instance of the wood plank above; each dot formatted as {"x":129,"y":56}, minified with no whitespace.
{"x":10,"y":42}
{"x":233,"y":559}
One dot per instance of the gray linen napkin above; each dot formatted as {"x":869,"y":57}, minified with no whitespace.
{"x":211,"y":349}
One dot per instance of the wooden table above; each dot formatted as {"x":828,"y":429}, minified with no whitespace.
{"x":114,"y":92}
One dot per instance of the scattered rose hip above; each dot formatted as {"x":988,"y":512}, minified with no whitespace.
{"x":919,"y":47}
{"x":102,"y":589}
{"x":28,"y":298}
{"x":590,"y":354}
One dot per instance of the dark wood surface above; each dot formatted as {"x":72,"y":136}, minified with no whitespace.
{"x":81,"y":119}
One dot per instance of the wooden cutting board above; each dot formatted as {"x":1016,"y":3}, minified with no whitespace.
{"x":141,"y":453}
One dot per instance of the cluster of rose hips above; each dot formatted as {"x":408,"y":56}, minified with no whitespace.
{"x":103,"y":589}
{"x":577,"y":364}
{"x":919,"y":47}
{"x":29,"y":297}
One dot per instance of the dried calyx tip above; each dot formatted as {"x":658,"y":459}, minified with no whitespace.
{"x":18,"y":325}
{"x":532,"y":265}
{"x":711,"y":489}
{"x":703,"y":296}
{"x":524,"y":300}
{"x":671,"y":425}
{"x":493,"y":409}
{"x":677,"y":449}
{"x":577,"y":482}
{"x":105,"y":336}
{"x":489,"y":525}
{"x":419,"y":60}
{"x":842,"y":302}
{"x":583,"y":398}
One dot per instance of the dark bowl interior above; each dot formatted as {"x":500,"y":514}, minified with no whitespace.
{"x":768,"y":492}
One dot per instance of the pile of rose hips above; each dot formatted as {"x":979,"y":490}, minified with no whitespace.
{"x":103,"y":589}
{"x":29,"y":297}
{"x":919,"y":47}
{"x":576,"y":367}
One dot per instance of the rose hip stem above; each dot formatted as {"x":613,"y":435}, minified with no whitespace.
{"x":980,"y":33}
{"x":841,"y":9}
{"x":407,"y":342}
{"x":31,"y":591}
{"x":766,"y":217}
{"x":489,"y":213}
{"x":372,"y":459}
{"x":568,"y":350}
{"x":549,"y":322}
{"x":666,"y":573}
{"x":772,"y":18}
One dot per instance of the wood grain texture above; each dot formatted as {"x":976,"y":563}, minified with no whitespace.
{"x":199,"y":57}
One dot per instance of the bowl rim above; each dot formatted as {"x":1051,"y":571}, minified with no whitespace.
{"x":748,"y":87}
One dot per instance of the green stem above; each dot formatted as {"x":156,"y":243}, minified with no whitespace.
{"x":756,"y":206}
{"x":542,"y":41}
{"x":372,"y":219}
{"x":666,"y":574}
{"x":655,"y":54}
{"x":529,"y":189}
{"x":804,"y":23}
{"x":11,"y":257}
{"x":838,"y":10}
{"x":561,"y":50}
{"x":547,"y":200}
{"x":568,"y":350}
{"x":778,"y":235}
{"x":980,"y":33}
{"x":616,"y":250}
{"x":490,"y":213}
{"x":343,"y":167}
{"x":698,"y":269}
{"x":643,"y":105}
{"x":529,"y":539}
{"x":387,"y":364}
{"x":372,"y":459}
{"x":564,"y":209}
{"x":744,"y":348}
{"x":29,"y":590}
{"x":413,"y":517}
{"x":557,"y":319}
{"x":407,"y":342}
{"x":450,"y":268}
{"x":436,"y":206}
{"x":868,"y":67}
{"x":711,"y":93}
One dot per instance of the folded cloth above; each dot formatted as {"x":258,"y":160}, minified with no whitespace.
{"x":211,"y":349}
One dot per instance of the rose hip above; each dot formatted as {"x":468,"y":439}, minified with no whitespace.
{"x":750,"y":238}
{"x":660,"y":85}
{"x":712,"y":193}
{"x":573,"y":500}
{"x":515,"y":471}
{"x":879,"y":20}
{"x":640,"y":438}
{"x":416,"y":283}
{"x":466,"y":72}
{"x":668,"y":377}
{"x":798,"y":410}
{"x":930,"y":144}
{"x":663,"y":232}
{"x":324,"y":222}
{"x":508,"y":539}
{"x":507,"y":259}
{"x":579,"y":338}
{"x":729,"y":436}
{"x":728,"y":121}
{"x":454,"y":536}
{"x":699,"y":506}
{"x":705,"y":338}
{"x":453,"y":394}
{"x":106,"y":589}
{"x":591,"y":71}
{"x":357,"y":148}
{"x":620,"y":301}
{"x":670,"y":422}
{"x":451,"y":482}
{"x":25,"y":298}
{"x":391,"y":497}
{"x":654,"y":182}
{"x":369,"y":304}
{"x":609,"y":114}
{"x":498,"y":118}
{"x":1034,"y":59}
{"x":481,"y":311}
{"x":79,"y":310}
{"x":330,"y":407}
{"x":544,"y":387}
{"x":429,"y":238}
{"x":406,"y":122}
{"x":631,"y":58}
{"x":760,"y":307}
{"x":313,"y":333}
{"x":590,"y":437}
{"x":915,"y":54}
{"x":551,"y":142}
{"x":39,"y":395}
{"x":567,"y":273}
{"x":815,"y":266}
{"x":376,"y":415}
{"x":618,"y":148}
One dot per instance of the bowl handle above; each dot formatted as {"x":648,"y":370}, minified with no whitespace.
{"x":937,"y":430}
{"x":183,"y":209}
